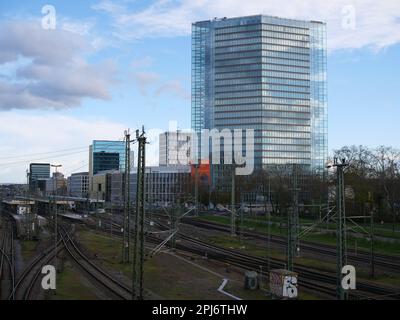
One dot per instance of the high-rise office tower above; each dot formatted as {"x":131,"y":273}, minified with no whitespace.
{"x":105,"y":156}
{"x":38,"y":174}
{"x":268,"y":74}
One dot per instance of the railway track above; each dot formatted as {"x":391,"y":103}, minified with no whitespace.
{"x":106,"y":281}
{"x":312,"y":279}
{"x":386,"y":262}
{"x":309,"y":278}
{"x":230,"y":258}
{"x":7,"y":260}
{"x":27,"y":280}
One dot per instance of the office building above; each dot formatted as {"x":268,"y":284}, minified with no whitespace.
{"x":38,"y":174}
{"x":267,"y":74}
{"x":56,"y":185}
{"x":78,"y":184}
{"x":105,"y":156}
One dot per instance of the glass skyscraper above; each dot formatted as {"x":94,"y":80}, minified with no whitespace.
{"x":106,"y":155}
{"x":38,"y":173}
{"x":268,"y":74}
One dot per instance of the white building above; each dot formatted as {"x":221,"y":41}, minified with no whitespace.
{"x":174,"y":149}
{"x":162,"y":184}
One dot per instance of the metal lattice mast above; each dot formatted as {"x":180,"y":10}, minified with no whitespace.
{"x":340,"y":228}
{"x":174,"y":224}
{"x":56,"y":166}
{"x":233,"y":217}
{"x":127,"y":204}
{"x":28,"y":213}
{"x":241,"y":217}
{"x":293,"y":222}
{"x":138,"y":252}
{"x":196,"y":188}
{"x":372,"y":255}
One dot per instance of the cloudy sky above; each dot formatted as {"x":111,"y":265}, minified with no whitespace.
{"x":112,"y":65}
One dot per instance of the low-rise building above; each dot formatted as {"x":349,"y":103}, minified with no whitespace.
{"x":101,"y":185}
{"x":78,"y":184}
{"x":162,"y":185}
{"x":57,"y":184}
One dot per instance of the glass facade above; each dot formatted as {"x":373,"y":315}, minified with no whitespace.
{"x":106,"y":155}
{"x":267,"y":74}
{"x":78,"y":184}
{"x":38,"y":172}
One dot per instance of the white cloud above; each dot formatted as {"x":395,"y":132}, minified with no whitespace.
{"x":145,"y":80}
{"x":108,"y":6}
{"x":151,"y":81}
{"x":175,"y":88}
{"x":22,"y":134}
{"x":82,"y":28}
{"x":58,"y":76}
{"x":143,"y":62}
{"x":377,"y":22}
{"x":28,"y":135}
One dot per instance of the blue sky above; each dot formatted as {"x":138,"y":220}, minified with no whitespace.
{"x":111,"y":65}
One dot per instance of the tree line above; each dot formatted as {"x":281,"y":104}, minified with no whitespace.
{"x":372,"y":182}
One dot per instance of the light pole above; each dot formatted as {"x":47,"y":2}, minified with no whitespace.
{"x":56,"y":166}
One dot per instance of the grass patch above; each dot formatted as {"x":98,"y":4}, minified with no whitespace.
{"x":28,"y":249}
{"x":254,"y":250}
{"x":71,"y":287}
{"x":164,"y":274}
{"x":235,"y":243}
{"x":108,"y":250}
{"x":261,"y":227}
